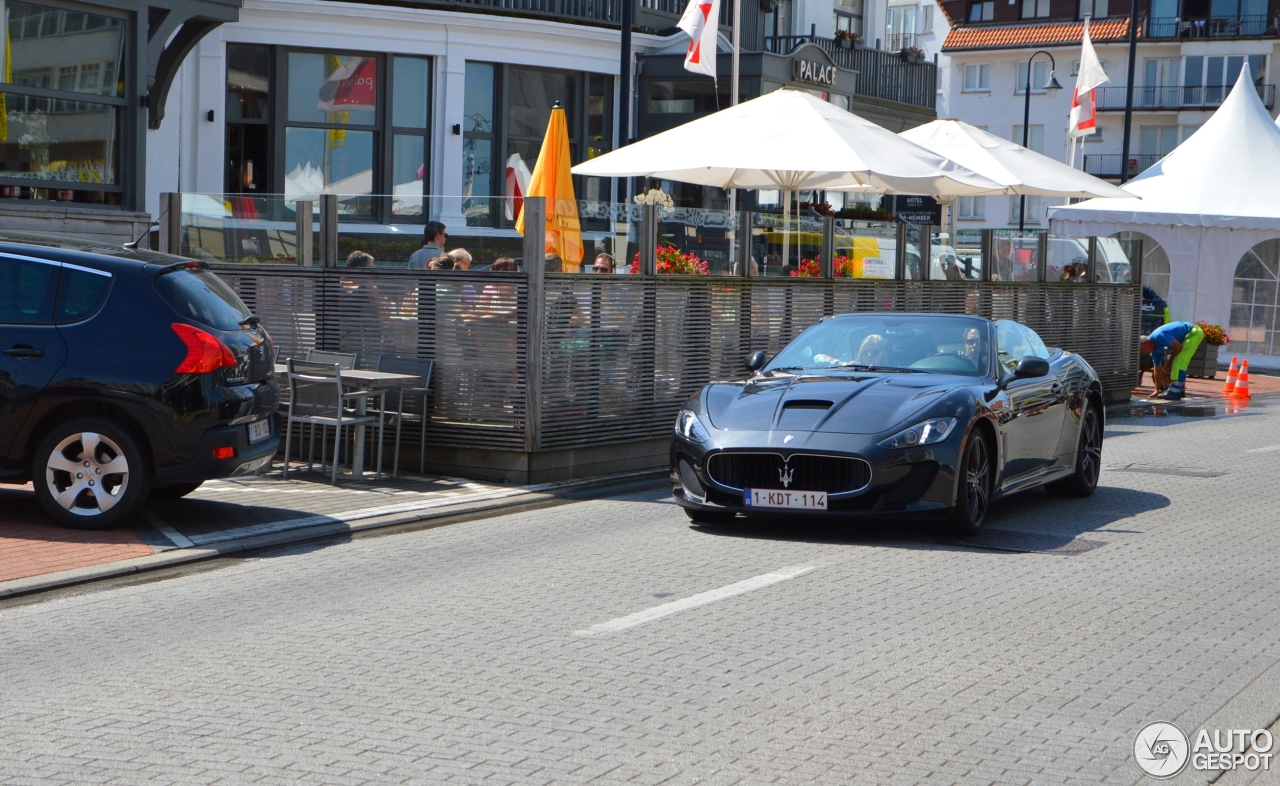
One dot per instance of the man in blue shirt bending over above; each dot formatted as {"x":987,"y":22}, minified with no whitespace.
{"x":1168,"y":352}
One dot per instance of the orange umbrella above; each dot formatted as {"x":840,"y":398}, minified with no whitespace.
{"x":551,"y":179}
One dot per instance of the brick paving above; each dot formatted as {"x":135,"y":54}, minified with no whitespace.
{"x":1259,"y":384}
{"x":450,"y":655}
{"x":30,"y":545}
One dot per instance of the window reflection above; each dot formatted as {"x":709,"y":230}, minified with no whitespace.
{"x":57,"y":49}
{"x":332,"y":88}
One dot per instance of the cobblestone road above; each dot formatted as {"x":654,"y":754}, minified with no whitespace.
{"x":456,"y":654}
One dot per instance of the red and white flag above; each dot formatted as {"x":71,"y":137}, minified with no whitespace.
{"x":701,"y":21}
{"x":1084,"y":110}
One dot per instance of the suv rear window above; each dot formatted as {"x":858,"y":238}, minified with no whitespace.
{"x":201,"y":296}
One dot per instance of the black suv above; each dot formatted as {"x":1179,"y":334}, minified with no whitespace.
{"x":125,"y":374}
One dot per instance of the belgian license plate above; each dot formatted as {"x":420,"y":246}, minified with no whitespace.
{"x":259,"y":430}
{"x":791,"y":500}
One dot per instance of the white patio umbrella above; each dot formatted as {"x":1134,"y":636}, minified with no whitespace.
{"x":789,"y":140}
{"x":1021,"y":171}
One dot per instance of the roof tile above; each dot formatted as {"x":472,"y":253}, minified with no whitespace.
{"x":1038,"y":34}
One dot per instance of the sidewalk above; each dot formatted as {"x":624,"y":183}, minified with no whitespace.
{"x":1259,"y":384}
{"x":234,"y":515}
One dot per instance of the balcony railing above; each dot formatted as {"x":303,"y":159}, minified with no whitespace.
{"x":899,"y":41}
{"x":883,"y":75}
{"x":599,"y":12}
{"x":1174,"y":98}
{"x":1211,"y":27}
{"x":1109,"y":164}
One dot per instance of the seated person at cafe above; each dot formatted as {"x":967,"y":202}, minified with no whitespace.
{"x":603,"y":264}
{"x":359,"y":259}
{"x":553,"y":263}
{"x":441,"y":262}
{"x":504,"y":265}
{"x":461,"y":259}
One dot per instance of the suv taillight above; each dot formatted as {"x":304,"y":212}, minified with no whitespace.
{"x":205,"y":352}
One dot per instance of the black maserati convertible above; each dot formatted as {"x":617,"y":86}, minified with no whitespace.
{"x":891,"y":414}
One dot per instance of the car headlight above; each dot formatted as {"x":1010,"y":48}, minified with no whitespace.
{"x":927,"y":432}
{"x":689,"y":427}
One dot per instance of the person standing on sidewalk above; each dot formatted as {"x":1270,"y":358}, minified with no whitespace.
{"x":1171,"y":347}
{"x":433,"y":238}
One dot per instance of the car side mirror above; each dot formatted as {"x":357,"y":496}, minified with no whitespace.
{"x":756,"y":360}
{"x":1031,"y":366}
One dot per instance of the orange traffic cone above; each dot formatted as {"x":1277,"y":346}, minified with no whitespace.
{"x":1231,"y":377}
{"x":1242,"y":383}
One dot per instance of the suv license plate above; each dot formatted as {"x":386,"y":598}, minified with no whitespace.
{"x":791,"y":500}
{"x":259,"y":431}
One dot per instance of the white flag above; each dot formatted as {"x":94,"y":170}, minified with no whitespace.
{"x":701,"y":21}
{"x":1084,"y":110}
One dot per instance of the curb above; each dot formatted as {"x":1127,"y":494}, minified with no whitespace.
{"x":167,"y":559}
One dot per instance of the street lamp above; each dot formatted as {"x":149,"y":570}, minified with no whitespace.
{"x":1051,"y":86}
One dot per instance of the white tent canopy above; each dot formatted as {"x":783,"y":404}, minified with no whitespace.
{"x":1224,"y":175}
{"x":1206,"y":204}
{"x":789,"y":140}
{"x":1022,"y":171}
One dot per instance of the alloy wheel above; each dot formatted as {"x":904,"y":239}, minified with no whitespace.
{"x":87,"y":474}
{"x":977,"y":471}
{"x":1090,"y":449}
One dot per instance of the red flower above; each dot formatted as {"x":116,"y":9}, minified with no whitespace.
{"x":672,"y":262}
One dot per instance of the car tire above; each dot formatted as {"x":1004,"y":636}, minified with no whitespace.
{"x":1084,"y":481}
{"x":974,"y":477}
{"x":710,"y":516}
{"x":89,"y":473}
{"x":173,"y":491}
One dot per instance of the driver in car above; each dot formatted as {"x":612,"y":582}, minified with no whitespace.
{"x":871,"y":352}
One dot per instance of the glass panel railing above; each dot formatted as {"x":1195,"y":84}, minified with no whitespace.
{"x":865,"y":249}
{"x":968,"y":252}
{"x":1113,"y":260}
{"x":611,"y":236}
{"x":781,"y":245}
{"x":232,"y":228}
{"x":1068,"y":260}
{"x":692,"y":240}
{"x":1015,"y":256}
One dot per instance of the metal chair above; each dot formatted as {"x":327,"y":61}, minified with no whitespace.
{"x":316,"y":398}
{"x":420,"y":367}
{"x":345,"y":360}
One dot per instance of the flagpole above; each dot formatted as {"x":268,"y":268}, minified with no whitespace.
{"x":733,"y":101}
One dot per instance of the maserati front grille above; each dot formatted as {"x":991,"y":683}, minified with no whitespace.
{"x":805,"y":472}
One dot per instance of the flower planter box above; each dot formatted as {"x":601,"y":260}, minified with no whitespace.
{"x":1204,"y":363}
{"x":845,"y":43}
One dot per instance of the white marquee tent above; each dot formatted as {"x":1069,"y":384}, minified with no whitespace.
{"x":1206,"y":203}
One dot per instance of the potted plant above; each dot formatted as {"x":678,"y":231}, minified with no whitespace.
{"x":846,"y":38}
{"x":1204,"y":363}
{"x":670,"y":261}
{"x":912,"y":54}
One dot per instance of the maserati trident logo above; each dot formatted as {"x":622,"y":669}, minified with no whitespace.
{"x":784,"y":475}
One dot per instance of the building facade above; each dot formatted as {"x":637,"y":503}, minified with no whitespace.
{"x":1189,"y":55}
{"x":408,"y":100}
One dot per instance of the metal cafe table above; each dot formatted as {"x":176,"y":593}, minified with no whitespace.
{"x":365,"y":382}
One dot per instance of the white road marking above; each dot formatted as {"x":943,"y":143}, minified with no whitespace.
{"x":694,"y":601}
{"x":1267,"y":449}
{"x":163,"y":528}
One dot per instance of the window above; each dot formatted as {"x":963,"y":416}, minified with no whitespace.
{"x":26,"y":291}
{"x":1075,"y":66}
{"x":1039,"y":77}
{"x":1035,"y":137}
{"x":1094,"y":8}
{"x":1187,"y":131}
{"x":57,"y":145}
{"x":1158,"y":140}
{"x":201,"y":296}
{"x":971,"y":208}
{"x":926,"y":19}
{"x":901,"y":32}
{"x":248,"y":119}
{"x":80,"y":294}
{"x":306,"y":122}
{"x":507,"y":109}
{"x":849,"y":14}
{"x":1035,"y":9}
{"x":977,"y":76}
{"x":1011,"y":344}
{"x":1033,"y":210}
{"x":981,"y":12}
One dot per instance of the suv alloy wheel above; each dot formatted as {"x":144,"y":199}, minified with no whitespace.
{"x":90,"y":474}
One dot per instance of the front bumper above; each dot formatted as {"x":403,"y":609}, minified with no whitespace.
{"x":247,"y":458}
{"x":907,"y":482}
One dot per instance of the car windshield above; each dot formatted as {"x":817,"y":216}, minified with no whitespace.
{"x":890,"y":343}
